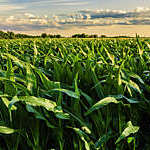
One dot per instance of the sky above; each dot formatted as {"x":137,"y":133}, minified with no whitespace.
{"x":67,"y":17}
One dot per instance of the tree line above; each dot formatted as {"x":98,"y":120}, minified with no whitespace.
{"x":12,"y":35}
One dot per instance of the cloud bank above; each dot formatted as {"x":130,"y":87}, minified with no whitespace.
{"x":82,"y":19}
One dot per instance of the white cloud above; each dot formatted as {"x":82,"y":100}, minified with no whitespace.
{"x":29,"y":15}
{"x":141,"y":9}
{"x":105,"y":13}
{"x":80,"y":19}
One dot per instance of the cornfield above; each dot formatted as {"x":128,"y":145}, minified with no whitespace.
{"x":75,"y":94}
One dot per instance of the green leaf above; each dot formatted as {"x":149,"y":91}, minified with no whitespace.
{"x":6,"y":130}
{"x":7,"y":102}
{"x":39,"y":115}
{"x":134,"y":86}
{"x":103,"y":139}
{"x":130,"y":139}
{"x":110,"y":56}
{"x":60,"y":114}
{"x":101,"y":104}
{"x":98,"y":87}
{"x":131,"y":100}
{"x":133,"y":75}
{"x":87,"y":97}
{"x":84,"y":124}
{"x":15,"y":59}
{"x":68,"y":92}
{"x":83,"y":137}
{"x":30,"y":78}
{"x":130,"y":129}
{"x":18,"y":85}
{"x":34,"y":101}
{"x":48,"y":84}
{"x":86,"y":129}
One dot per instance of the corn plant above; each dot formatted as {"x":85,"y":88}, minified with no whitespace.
{"x":75,"y":94}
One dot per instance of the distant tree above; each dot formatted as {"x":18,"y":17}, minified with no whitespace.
{"x":43,"y":35}
{"x":58,"y":36}
{"x":5,"y":36}
{"x":21,"y":36}
{"x":1,"y":34}
{"x":103,"y":36}
{"x":11,"y":35}
{"x":75,"y":36}
{"x":83,"y":35}
{"x":50,"y":36}
{"x":54,"y":36}
{"x":93,"y":36}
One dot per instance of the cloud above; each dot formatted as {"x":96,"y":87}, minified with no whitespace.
{"x":106,"y":13}
{"x":28,"y":22}
{"x":81,"y":19}
{"x":138,"y":16}
{"x":29,"y":15}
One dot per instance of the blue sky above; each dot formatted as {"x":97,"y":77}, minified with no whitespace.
{"x":62,"y":16}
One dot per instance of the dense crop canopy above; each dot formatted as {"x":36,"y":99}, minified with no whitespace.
{"x":75,"y":94}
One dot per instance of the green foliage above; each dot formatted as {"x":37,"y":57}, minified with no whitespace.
{"x":12,"y":35}
{"x":127,"y":131}
{"x":6,"y":130}
{"x":101,"y":104}
{"x":74,"y":94}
